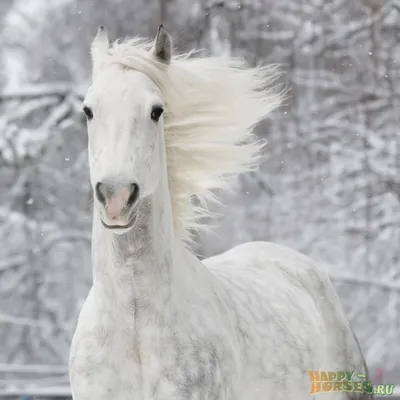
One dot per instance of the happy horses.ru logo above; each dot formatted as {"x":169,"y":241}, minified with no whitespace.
{"x":345,"y":381}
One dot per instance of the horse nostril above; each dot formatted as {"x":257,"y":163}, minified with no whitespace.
{"x":99,"y":193}
{"x":134,"y":195}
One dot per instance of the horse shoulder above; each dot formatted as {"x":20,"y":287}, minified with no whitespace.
{"x":99,"y":348}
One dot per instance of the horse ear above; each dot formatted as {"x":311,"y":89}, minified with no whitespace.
{"x":100,"y":46}
{"x":162,"y":47}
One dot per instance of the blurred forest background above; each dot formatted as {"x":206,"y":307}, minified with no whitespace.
{"x":329,"y":185}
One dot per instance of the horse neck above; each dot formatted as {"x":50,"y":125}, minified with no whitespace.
{"x":142,"y":264}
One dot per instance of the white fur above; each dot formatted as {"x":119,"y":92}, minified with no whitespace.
{"x":158,"y":324}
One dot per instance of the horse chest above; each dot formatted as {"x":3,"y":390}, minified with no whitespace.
{"x":147,"y":361}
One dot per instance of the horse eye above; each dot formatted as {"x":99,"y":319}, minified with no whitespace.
{"x":156,"y":113}
{"x":88,"y":112}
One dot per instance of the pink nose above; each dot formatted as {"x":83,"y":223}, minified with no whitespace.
{"x":116,"y":202}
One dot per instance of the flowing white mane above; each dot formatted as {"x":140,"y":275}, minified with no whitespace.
{"x":212,"y":106}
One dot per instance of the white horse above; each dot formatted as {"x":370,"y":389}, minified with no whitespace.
{"x":158,"y":323}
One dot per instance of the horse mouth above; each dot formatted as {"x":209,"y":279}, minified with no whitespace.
{"x":121,"y":227}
